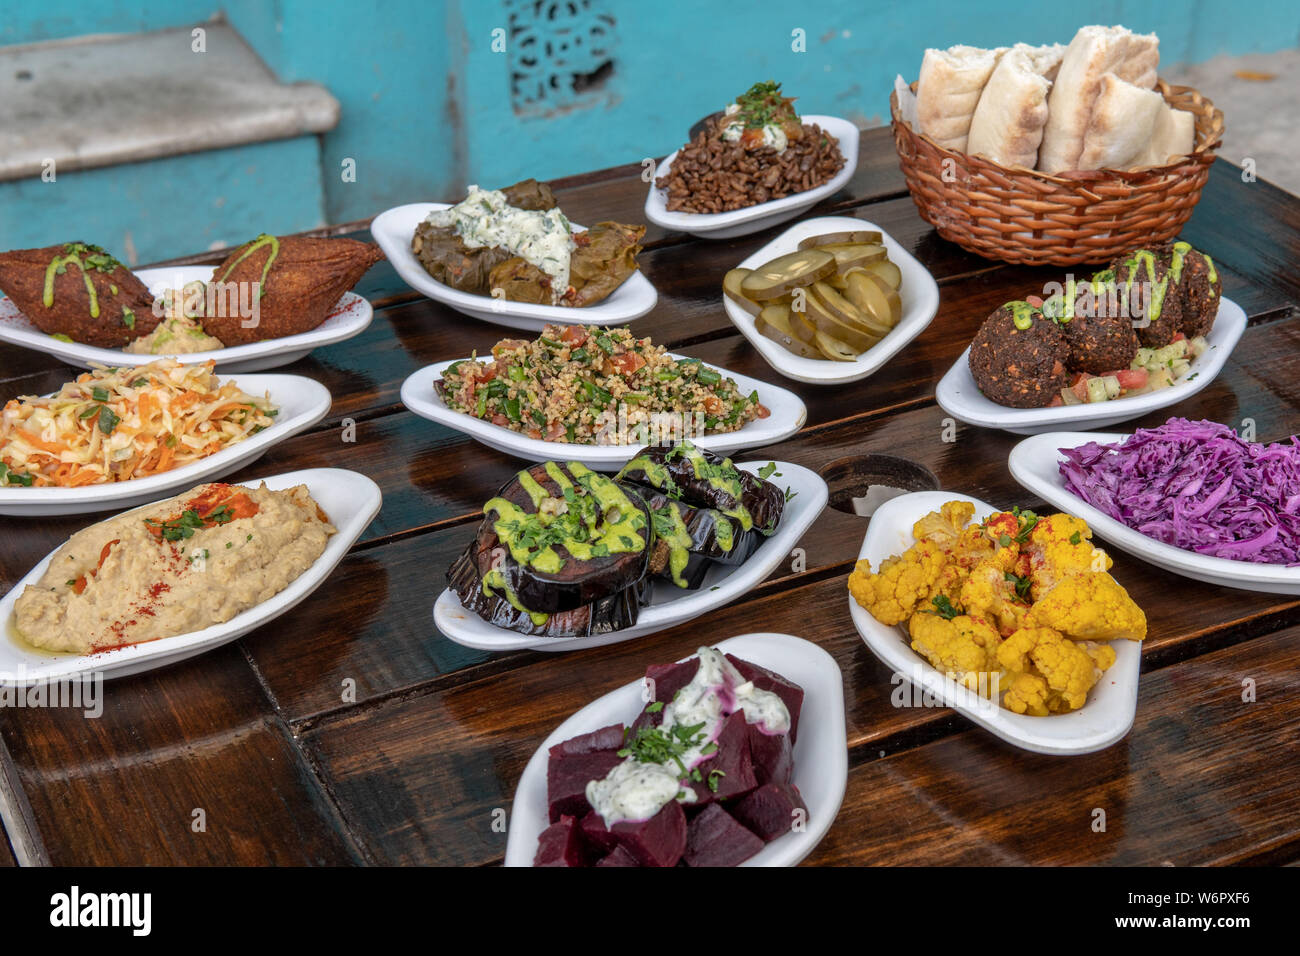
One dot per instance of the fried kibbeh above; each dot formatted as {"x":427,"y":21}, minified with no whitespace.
{"x":300,"y":281}
{"x":79,"y":291}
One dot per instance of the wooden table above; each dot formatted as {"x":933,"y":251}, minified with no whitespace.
{"x":288,"y":767}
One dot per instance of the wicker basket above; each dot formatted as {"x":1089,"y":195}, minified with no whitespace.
{"x":1020,"y":215}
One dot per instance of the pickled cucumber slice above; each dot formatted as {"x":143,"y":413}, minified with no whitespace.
{"x":731,"y":289}
{"x":887,"y":271}
{"x":786,"y":273}
{"x":773,"y":322}
{"x":848,"y":313}
{"x":834,"y":349}
{"x":873,"y":295}
{"x":841,"y":238}
{"x":826,"y":320}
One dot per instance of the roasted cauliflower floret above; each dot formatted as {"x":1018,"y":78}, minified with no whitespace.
{"x":903,"y":583}
{"x":990,"y":592}
{"x":945,"y":525}
{"x":1060,"y":545}
{"x":1089,"y":607}
{"x":1066,"y":668}
{"x":964,"y":648}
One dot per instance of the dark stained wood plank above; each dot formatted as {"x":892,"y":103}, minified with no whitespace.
{"x":1202,"y":779}
{"x":121,"y":788}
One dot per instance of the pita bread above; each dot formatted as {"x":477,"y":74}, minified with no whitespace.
{"x":949,"y":90}
{"x":1121,"y":126}
{"x":1175,"y":135}
{"x":1094,"y":52}
{"x":1008,"y":123}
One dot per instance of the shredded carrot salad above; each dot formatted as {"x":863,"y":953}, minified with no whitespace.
{"x":115,"y":424}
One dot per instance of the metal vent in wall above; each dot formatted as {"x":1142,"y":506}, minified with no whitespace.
{"x":560,"y":54}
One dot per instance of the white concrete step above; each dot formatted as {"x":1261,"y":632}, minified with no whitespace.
{"x":104,"y":100}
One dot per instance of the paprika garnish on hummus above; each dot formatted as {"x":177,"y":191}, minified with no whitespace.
{"x":177,"y":566}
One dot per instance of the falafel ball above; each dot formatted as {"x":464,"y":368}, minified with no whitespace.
{"x":1143,"y":279}
{"x":1198,"y":286}
{"x":1018,"y":357}
{"x":1099,"y":343}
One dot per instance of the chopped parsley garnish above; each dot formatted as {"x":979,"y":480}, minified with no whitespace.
{"x":1028,"y":520}
{"x":766,"y":471}
{"x":182,"y":528}
{"x":655,"y":707}
{"x":945,"y":608}
{"x":654,"y":745}
{"x":789,"y":495}
{"x":1022,"y":584}
{"x":1076,"y":538}
{"x":10,"y":477}
{"x":107,"y":420}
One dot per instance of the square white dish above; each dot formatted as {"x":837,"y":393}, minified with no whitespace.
{"x":350,"y":316}
{"x":302,"y":402}
{"x":349,"y":499}
{"x":742,"y":222}
{"x":394,"y":228}
{"x":1101,"y":722}
{"x":669,"y":606}
{"x":1034,"y":463}
{"x":919,"y":292}
{"x":961,"y":398}
{"x":820,"y":754}
{"x":788,"y":415}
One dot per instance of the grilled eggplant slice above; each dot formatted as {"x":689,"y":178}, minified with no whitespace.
{"x":703,"y":479}
{"x":613,"y":613}
{"x":689,"y":540}
{"x":558,"y":537}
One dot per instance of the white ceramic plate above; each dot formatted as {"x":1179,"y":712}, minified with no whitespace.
{"x":1034,"y":463}
{"x":961,"y":398}
{"x":349,"y":317}
{"x":919,"y":292}
{"x":351,"y":501}
{"x":820,"y":756}
{"x":1103,"y":720}
{"x":302,"y":402}
{"x":741,"y":222}
{"x":394,"y":228}
{"x":669,"y":605}
{"x":788,"y":416}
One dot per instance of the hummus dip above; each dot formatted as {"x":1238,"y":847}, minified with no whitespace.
{"x":173,"y":567}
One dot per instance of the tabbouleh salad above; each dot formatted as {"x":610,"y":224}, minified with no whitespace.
{"x":595,"y":386}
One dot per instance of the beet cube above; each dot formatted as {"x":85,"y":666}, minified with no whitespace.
{"x":730,"y":765}
{"x":620,"y":857}
{"x":561,"y":845}
{"x":607,"y":738}
{"x":769,"y":810}
{"x":595,"y":833}
{"x":670,"y":678}
{"x":772,"y":755}
{"x":659,"y":841}
{"x":791,"y":694}
{"x":567,"y":778}
{"x":714,"y":838}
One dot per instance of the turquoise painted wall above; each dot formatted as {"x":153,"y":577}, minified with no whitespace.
{"x":427,"y":101}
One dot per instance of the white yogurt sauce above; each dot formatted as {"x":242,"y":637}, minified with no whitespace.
{"x":542,"y":238}
{"x":773,"y":136}
{"x":636,"y":790}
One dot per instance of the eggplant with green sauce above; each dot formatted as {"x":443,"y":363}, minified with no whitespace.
{"x":557,"y":540}
{"x":613,"y":613}
{"x":703,"y":479}
{"x":688,"y":540}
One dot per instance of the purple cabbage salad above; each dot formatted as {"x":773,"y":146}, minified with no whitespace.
{"x":1197,"y":486}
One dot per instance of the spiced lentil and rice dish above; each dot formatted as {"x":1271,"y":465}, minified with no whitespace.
{"x":757,"y":150}
{"x":596,"y":386}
